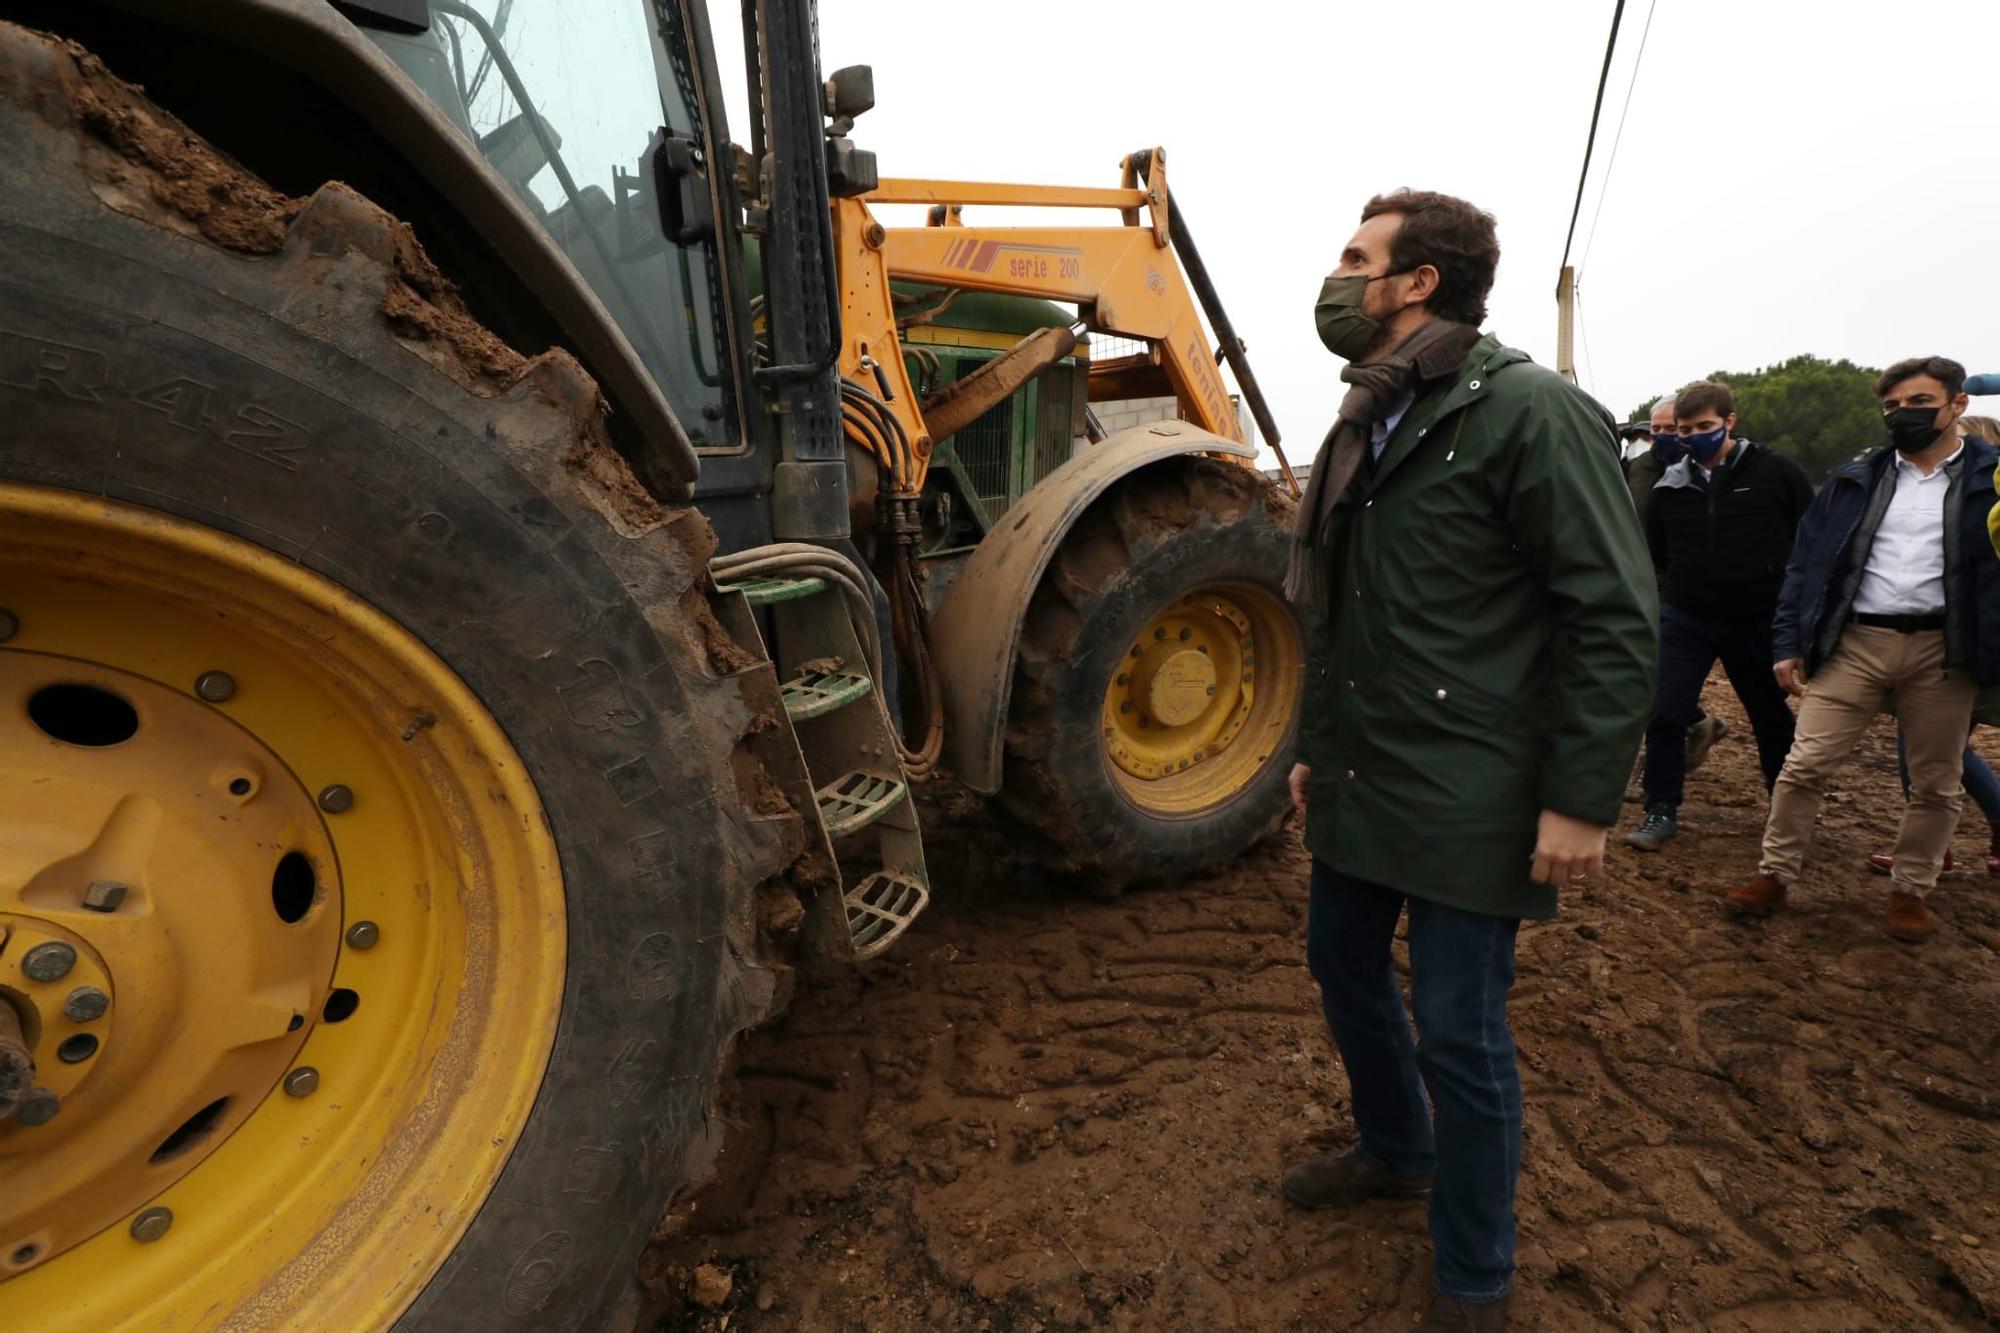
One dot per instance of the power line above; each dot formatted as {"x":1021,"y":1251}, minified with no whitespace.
{"x":1596,"y":109}
{"x":1611,"y":162}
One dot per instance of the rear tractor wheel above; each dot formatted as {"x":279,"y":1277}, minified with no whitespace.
{"x":1160,"y":675}
{"x":376,"y":892}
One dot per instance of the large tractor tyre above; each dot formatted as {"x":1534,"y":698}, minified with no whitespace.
{"x":378,"y":889}
{"x":1160,"y":672}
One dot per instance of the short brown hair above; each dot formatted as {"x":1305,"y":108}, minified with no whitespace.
{"x":1453,"y":237}
{"x":1704,"y":396}
{"x":1940,"y":368}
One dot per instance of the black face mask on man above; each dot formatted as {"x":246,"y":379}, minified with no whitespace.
{"x":1347,"y":332}
{"x":1912,"y":429}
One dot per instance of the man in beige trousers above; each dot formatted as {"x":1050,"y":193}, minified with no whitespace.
{"x":1891,"y":602}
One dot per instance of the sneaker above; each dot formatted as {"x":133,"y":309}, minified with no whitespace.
{"x":1763,"y":895}
{"x":1344,"y":1181}
{"x":1701,"y":738}
{"x":1883,"y":863}
{"x":1908,"y":919}
{"x":1656,"y":831}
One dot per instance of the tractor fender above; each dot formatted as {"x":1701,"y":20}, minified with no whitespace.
{"x":976,"y":633}
{"x":316,"y":41}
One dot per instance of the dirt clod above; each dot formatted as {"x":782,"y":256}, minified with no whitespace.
{"x":148,"y":164}
{"x":424,"y":306}
{"x":709,"y":1286}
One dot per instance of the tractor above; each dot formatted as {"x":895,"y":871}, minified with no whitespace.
{"x":488,"y":562}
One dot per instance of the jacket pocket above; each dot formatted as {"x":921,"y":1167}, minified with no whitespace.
{"x":1442,"y":748}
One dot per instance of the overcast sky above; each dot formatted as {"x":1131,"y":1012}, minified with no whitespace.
{"x":1794,"y":177}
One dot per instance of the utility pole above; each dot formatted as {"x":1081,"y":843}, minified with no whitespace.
{"x":1566,"y":323}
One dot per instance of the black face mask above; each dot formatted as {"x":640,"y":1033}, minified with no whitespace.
{"x":1912,"y":429}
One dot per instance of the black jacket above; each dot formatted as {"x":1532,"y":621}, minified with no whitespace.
{"x":1832,"y":550}
{"x":1641,"y":475}
{"x":1721,"y":543}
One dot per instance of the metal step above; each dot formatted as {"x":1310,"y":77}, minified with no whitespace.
{"x":880,"y":908}
{"x":856,"y":800}
{"x":763,"y":592}
{"x":814,"y":691}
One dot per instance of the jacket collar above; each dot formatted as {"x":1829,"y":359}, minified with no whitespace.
{"x":1472,"y":382}
{"x":1979,"y":456}
{"x":1682,"y":472}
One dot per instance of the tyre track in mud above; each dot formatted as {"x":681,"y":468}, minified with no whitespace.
{"x":1048,"y":1111}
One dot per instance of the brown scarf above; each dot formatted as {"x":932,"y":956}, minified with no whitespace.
{"x":1432,"y":353}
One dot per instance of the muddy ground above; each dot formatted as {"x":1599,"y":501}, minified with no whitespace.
{"x":1044,"y":1111}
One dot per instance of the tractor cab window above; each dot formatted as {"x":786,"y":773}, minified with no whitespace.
{"x":593,"y":115}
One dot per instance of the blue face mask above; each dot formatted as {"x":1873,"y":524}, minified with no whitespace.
{"x":1668,"y":449}
{"x":1703,"y":448}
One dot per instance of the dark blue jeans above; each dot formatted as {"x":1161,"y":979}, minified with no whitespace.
{"x":1689,"y":646}
{"x":1469,"y":1130}
{"x":1980,"y":784}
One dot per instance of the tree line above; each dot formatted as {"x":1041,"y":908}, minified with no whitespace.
{"x":1821,"y":412}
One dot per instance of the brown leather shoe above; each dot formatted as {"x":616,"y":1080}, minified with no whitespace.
{"x":1448,"y":1315}
{"x":1883,"y":863}
{"x":1762,"y":896}
{"x":1344,"y":1181}
{"x":1908,"y":919}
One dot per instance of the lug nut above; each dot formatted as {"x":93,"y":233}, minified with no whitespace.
{"x":335,"y":799}
{"x":38,"y":1108}
{"x":215,"y":686}
{"x":104,"y":895}
{"x":9,"y":626}
{"x":86,"y":1004}
{"x":363,"y":934}
{"x":152,"y":1224}
{"x":48,"y":962}
{"x":302,"y":1082}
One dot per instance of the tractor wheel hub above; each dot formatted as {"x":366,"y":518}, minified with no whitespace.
{"x":174,"y":916}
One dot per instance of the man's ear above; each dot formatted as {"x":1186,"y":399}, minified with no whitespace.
{"x":1424,"y":281}
{"x":1729,"y":424}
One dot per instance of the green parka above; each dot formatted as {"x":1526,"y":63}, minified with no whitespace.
{"x":1490,"y":641}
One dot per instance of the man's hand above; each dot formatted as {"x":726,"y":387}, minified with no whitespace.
{"x":1566,"y":849}
{"x":1299,"y":774}
{"x":1791,"y":674}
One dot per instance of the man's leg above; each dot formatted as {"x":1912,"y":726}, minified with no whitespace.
{"x":1348,"y":934}
{"x":1842,"y":698}
{"x":1746,"y":657}
{"x":1461,"y":967}
{"x":1936,"y":715}
{"x":1982,"y":786}
{"x":1685,"y":657}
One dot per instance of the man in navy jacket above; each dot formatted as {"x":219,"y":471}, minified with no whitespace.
{"x":1891,"y":601}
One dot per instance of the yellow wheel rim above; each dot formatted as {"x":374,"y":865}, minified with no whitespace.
{"x":306,"y":1074}
{"x":1202,"y":698}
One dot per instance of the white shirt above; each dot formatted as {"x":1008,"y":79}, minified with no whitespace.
{"x":1904,"y":575}
{"x":1379,"y":433}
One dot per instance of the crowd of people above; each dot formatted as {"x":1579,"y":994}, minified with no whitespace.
{"x":1883,"y":587}
{"x":1499,"y":617}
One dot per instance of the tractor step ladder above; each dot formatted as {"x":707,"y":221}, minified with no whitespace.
{"x":815,"y":691}
{"x":848,"y":749}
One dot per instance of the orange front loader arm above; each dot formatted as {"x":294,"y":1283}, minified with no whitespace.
{"x":1123,"y":280}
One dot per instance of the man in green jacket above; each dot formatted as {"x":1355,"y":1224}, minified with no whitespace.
{"x":1480,"y":672}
